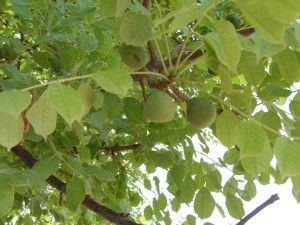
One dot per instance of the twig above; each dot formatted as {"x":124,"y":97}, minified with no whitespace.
{"x":88,"y":202}
{"x":271,"y":200}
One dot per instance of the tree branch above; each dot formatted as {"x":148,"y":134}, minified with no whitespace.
{"x":271,"y":200}
{"x":123,"y":148}
{"x":88,"y":202}
{"x":147,"y":4}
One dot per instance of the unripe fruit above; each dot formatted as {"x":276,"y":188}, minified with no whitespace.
{"x":159,"y":107}
{"x":235,"y":20}
{"x":201,"y":113}
{"x":134,"y":57}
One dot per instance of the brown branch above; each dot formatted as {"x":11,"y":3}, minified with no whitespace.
{"x":88,"y":202}
{"x":123,"y":148}
{"x":147,"y":4}
{"x":271,"y":200}
{"x":178,"y":93}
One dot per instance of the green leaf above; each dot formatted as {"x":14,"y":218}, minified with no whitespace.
{"x":6,"y":197}
{"x":257,"y":14}
{"x":287,"y":153}
{"x":133,"y":110}
{"x":47,"y":166}
{"x":65,"y":100}
{"x":100,"y":173}
{"x":75,"y":192}
{"x":162,"y":201}
{"x":252,"y":69}
{"x":231,"y":156}
{"x":258,"y":163}
{"x":42,"y":116}
{"x":235,"y":206}
{"x":295,"y":105}
{"x":296,"y":187}
{"x":148,"y":212}
{"x":132,"y":22}
{"x":250,"y":188}
{"x":225,"y":43}
{"x":284,"y":11}
{"x":87,"y":42}
{"x":114,"y":81}
{"x":225,"y":76}
{"x":191,"y":220}
{"x":251,"y":139}
{"x":288,"y":65}
{"x":227,"y":125}
{"x":113,"y":8}
{"x":204,"y":203}
{"x":188,"y":189}
{"x":176,"y":173}
{"x":14,"y":101}
{"x":11,"y":129}
{"x":264,"y":48}
{"x":86,"y":94}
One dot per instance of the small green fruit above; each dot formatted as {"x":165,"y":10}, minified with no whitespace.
{"x":235,"y":20}
{"x":159,"y":107}
{"x":56,"y":65}
{"x":201,"y":113}
{"x":134,"y":57}
{"x":8,"y":52}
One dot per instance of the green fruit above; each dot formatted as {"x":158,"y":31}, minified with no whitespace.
{"x":159,"y":107}
{"x":8,"y":52}
{"x":134,"y":57}
{"x":235,"y":20}
{"x":201,"y":113}
{"x":56,"y":64}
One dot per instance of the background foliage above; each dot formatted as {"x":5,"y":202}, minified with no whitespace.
{"x":69,"y":100}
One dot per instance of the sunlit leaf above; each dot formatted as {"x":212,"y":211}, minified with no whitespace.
{"x":6,"y":197}
{"x":86,"y":94}
{"x":227,"y":127}
{"x":42,"y":116}
{"x":257,"y":14}
{"x":11,"y":129}
{"x":287,"y":153}
{"x":132,"y":22}
{"x":65,"y":100}
{"x":188,"y":189}
{"x":225,"y":43}
{"x":235,"y":206}
{"x":284,"y":11}
{"x":14,"y":101}
{"x":288,"y":65}
{"x":251,"y":139}
{"x":204,"y":203}
{"x":260,"y":162}
{"x":252,"y":69}
{"x":114,"y":81}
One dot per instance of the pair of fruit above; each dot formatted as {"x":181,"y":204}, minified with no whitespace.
{"x":160,"y":108}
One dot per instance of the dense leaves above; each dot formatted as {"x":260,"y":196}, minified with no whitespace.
{"x":73,"y":100}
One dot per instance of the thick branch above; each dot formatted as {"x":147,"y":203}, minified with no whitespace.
{"x":88,"y":202}
{"x":147,"y":4}
{"x":123,"y":148}
{"x":271,"y":200}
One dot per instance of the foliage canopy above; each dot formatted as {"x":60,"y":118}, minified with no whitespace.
{"x":71,"y":112}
